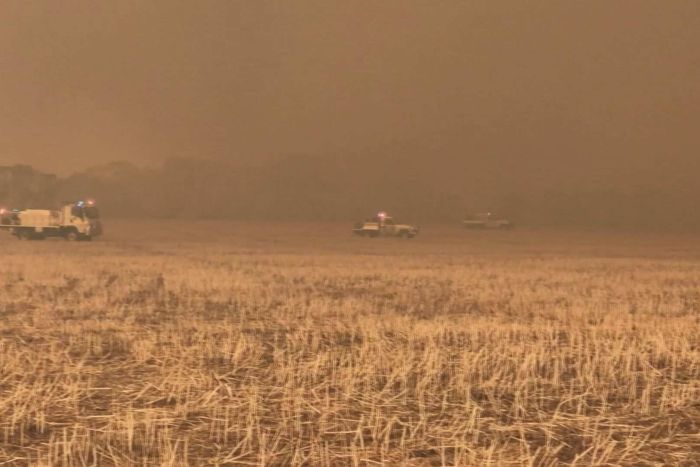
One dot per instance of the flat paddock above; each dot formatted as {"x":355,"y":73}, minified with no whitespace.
{"x":173,"y":342}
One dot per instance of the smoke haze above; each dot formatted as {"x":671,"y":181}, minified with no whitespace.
{"x":470,"y":103}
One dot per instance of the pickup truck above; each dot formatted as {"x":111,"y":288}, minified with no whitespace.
{"x":486,"y":221}
{"x":383,"y":225}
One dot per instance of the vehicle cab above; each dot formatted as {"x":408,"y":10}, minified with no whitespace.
{"x":84,"y":217}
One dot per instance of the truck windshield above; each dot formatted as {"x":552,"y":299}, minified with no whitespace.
{"x":91,"y":212}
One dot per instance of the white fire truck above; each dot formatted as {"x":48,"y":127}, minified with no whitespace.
{"x":76,"y":221}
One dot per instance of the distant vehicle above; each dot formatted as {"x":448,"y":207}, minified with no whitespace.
{"x":77,"y":221}
{"x":385,"y":226}
{"x":486,"y":220}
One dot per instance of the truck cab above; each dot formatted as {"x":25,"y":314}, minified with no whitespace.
{"x":7,"y":217}
{"x":82,"y":218}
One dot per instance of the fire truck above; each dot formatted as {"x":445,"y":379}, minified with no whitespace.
{"x":74,"y":221}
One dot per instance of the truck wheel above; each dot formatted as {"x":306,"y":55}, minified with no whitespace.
{"x":72,"y":236}
{"x":404,"y":234}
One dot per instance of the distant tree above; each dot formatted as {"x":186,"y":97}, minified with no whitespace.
{"x":22,"y":186}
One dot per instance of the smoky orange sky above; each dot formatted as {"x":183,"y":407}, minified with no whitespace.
{"x":555,"y":91}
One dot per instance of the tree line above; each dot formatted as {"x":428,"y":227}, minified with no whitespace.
{"x":314,"y":188}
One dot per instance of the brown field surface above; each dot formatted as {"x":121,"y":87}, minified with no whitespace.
{"x":174,"y":343}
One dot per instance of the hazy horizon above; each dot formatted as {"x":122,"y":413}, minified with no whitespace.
{"x":548,"y":96}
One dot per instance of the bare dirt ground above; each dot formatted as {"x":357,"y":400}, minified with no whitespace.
{"x":174,"y":343}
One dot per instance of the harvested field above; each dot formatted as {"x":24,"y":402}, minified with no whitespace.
{"x":168,"y":343}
